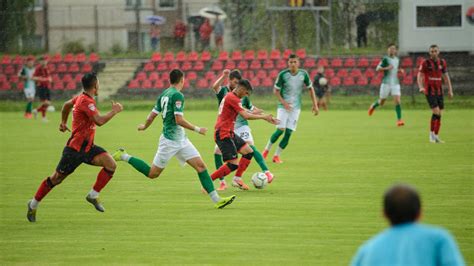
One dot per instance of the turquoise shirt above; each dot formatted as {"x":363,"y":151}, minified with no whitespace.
{"x":410,"y":244}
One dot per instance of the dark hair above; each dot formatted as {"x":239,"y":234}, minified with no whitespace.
{"x":292,"y":56}
{"x":235,"y":74}
{"x":391,"y":44}
{"x":402,"y":204}
{"x":89,"y":80}
{"x":175,"y":76}
{"x":434,"y":46}
{"x":246,"y":84}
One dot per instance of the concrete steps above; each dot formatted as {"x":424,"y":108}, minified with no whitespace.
{"x":115,"y":75}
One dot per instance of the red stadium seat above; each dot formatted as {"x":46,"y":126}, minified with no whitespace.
{"x":408,"y":80}
{"x":249,"y":55}
{"x":6,"y":59}
{"x":350,"y":63}
{"x":376,"y":80}
{"x":363,"y":62}
{"x":223,"y":55}
{"x":282,"y":63}
{"x":93,"y":57}
{"x":61,"y":68}
{"x":313,"y":73}
{"x":67,"y":78}
{"x":243,"y":65}
{"x":202,"y":84}
{"x":273,"y":73}
{"x":267,"y":82}
{"x":261,"y":74}
{"x":375,"y":61}
{"x":69,"y":58}
{"x":51,"y":68}
{"x":154,"y":76}
{"x":419,"y":61}
{"x":141,"y":76}
{"x":181,"y":56}
{"x":86,"y":68}
{"x":370,"y":73}
{"x":58,"y":86}
{"x":309,"y":63}
{"x":20,"y":85}
{"x":156,"y":57}
{"x":146,"y":84}
{"x":230,"y":65}
{"x":237,"y":55}
{"x":286,"y":53}
{"x":255,"y":65}
{"x":275,"y":54}
{"x":301,"y":53}
{"x":159,"y":84}
{"x":329,"y":72}
{"x":335,"y":81}
{"x":348,"y":81}
{"x":336,"y":62}
{"x":173,"y":65}
{"x":206,"y":56}
{"x":263,"y":55}
{"x":162,"y":66}
{"x":9,"y":70}
{"x":268,"y":64}
{"x":73,"y":68}
{"x":210,"y":75}
{"x":14,"y":79}
{"x":407,"y":62}
{"x":71,"y":85}
{"x":255,"y":82}
{"x":342,"y":73}
{"x":81,"y":58}
{"x":3,"y":78}
{"x":186,"y":66}
{"x":56,"y":58}
{"x":78,"y":78}
{"x":18,"y":60}
{"x":134,"y":84}
{"x":191,"y":75}
{"x":217,"y":65}
{"x":199,"y":66}
{"x":165,"y":76}
{"x":249,"y":74}
{"x":323,"y":62}
{"x":362,"y":81}
{"x":56,"y":78}
{"x":169,"y":56}
{"x":193,"y":56}
{"x":355,"y":73}
{"x":5,"y":86}
{"x":149,"y":67}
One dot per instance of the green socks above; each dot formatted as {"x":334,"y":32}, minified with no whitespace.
{"x":218,"y":161}
{"x":259,"y":158}
{"x":206,"y":181}
{"x":139,"y":165}
{"x":375,"y":104}
{"x":286,"y":138}
{"x":276,"y":135}
{"x":29,"y":107}
{"x":398,"y":109}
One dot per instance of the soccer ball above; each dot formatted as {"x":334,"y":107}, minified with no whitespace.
{"x":323,"y":81}
{"x":259,"y":180}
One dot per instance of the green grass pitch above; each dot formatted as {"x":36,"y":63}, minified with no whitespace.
{"x":324,"y":202}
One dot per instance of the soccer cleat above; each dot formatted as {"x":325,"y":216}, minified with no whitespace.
{"x":265,"y":153}
{"x":31,"y":214}
{"x":371,"y":109}
{"x":222,"y":186}
{"x":437,"y":139}
{"x":400,"y":123}
{"x":28,"y":115}
{"x":45,"y":120}
{"x":269,"y":176}
{"x":224,"y":202}
{"x":276,"y":159}
{"x":118,"y":154}
{"x":35,"y":113}
{"x":239,"y":183}
{"x":96,"y":202}
{"x":432,"y":137}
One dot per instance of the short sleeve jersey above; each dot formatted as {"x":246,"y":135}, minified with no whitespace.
{"x":291,"y":86}
{"x":228,"y":110}
{"x":318,"y":86}
{"x":433,"y":71}
{"x":83,"y":126}
{"x":246,"y":103}
{"x":169,"y":104}
{"x":390,"y":77}
{"x":28,"y":73}
{"x":42,"y":72}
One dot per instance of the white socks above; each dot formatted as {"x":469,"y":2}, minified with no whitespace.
{"x":214,"y":196}
{"x":269,"y":146}
{"x":93,"y":194}
{"x":278,"y":151}
{"x":34,"y":203}
{"x":125,"y":157}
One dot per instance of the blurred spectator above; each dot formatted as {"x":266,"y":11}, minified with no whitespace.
{"x":179,"y":33}
{"x":219,"y":33}
{"x":26,"y":74}
{"x":43,"y":81}
{"x":321,"y":87}
{"x":205,"y":34}
{"x":155,"y":37}
{"x":362,"y":22}
{"x":408,"y":242}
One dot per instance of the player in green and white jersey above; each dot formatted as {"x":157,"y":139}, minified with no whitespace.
{"x":173,"y":141}
{"x":241,"y":127}
{"x":26,"y":74}
{"x":390,"y":83}
{"x":288,"y":89}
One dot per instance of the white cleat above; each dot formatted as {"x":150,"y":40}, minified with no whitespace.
{"x":432,"y":137}
{"x":437,"y":139}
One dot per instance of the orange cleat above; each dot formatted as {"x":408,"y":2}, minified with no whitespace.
{"x":269,"y":176}
{"x":371,"y":110}
{"x":265,"y":154}
{"x":222,"y":186}
{"x":28,"y":115}
{"x":400,"y":123}
{"x":240,"y":184}
{"x":276,"y":159}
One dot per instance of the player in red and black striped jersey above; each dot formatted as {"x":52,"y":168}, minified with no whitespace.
{"x":80,"y":147}
{"x":433,"y":72}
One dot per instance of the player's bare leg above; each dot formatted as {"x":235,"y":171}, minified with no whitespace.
{"x":379,"y":102}
{"x":398,"y":110}
{"x":107,"y":162}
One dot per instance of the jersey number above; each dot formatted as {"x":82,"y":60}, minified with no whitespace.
{"x":164,"y":106}
{"x":221,"y":106}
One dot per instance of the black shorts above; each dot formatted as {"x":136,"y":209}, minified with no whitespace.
{"x":435,"y":101}
{"x":71,"y":159}
{"x":320,"y":94}
{"x":44,"y":94}
{"x":229,"y":146}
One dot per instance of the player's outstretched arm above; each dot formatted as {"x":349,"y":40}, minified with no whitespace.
{"x":149,"y":120}
{"x":180,"y":120}
{"x":250,"y":116}
{"x":67,"y":107}
{"x":103,"y":119}
{"x":218,"y":82}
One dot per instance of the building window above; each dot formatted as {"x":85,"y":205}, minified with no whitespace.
{"x":438,"y":16}
{"x":166,"y":4}
{"x":38,"y":4}
{"x":132,"y":3}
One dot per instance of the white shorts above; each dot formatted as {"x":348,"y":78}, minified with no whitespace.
{"x":288,"y":119}
{"x":386,"y":89}
{"x":245,"y":133}
{"x":183,"y":150}
{"x":29,"y":93}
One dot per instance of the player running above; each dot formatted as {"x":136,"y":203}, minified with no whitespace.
{"x":43,"y":80}
{"x":173,"y":140}
{"x":390,"y":83}
{"x":80,"y":147}
{"x":322,"y":90}
{"x":288,"y":89}
{"x":430,"y":81}
{"x":228,"y":142}
{"x":242,"y":128}
{"x":26,"y":74}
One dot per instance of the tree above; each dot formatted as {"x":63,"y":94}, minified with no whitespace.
{"x":16,"y":19}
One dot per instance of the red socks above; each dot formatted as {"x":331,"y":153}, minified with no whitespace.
{"x":223,"y":171}
{"x":243,"y":164}
{"x":43,"y":108}
{"x":103,"y":178}
{"x":435,"y":123}
{"x":44,"y":189}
